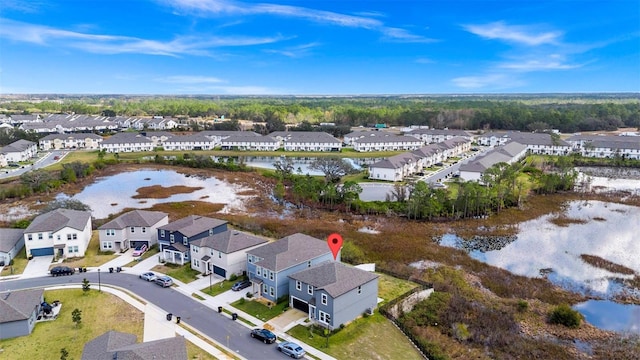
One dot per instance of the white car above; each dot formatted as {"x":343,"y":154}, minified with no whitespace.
{"x":149,"y":276}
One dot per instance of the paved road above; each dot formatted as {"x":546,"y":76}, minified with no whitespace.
{"x":227,"y":332}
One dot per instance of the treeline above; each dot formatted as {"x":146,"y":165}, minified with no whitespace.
{"x":469,"y":113}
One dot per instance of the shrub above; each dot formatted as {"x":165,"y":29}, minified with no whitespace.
{"x":522,"y":306}
{"x":565,"y":315}
{"x":249,"y":295}
{"x":233,"y":277}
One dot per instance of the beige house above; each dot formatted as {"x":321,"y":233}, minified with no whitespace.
{"x":131,"y":229}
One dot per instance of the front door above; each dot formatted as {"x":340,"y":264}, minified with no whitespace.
{"x":60,"y":253}
{"x":312,"y":312}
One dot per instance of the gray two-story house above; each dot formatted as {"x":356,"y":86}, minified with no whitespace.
{"x":270,"y":265}
{"x":174,"y":238}
{"x":332,"y":293}
{"x":131,"y":229}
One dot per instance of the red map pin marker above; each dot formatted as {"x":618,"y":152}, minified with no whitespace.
{"x":335,"y":243}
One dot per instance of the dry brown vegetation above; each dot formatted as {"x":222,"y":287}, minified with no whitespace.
{"x":606,"y":264}
{"x":161,"y":192}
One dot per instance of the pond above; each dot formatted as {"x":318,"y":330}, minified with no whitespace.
{"x":608,"y":315}
{"x":300,"y":164}
{"x":112,"y":194}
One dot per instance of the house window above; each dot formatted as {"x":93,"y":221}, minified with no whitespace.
{"x":68,"y":236}
{"x":324,"y":317}
{"x":323,"y":299}
{"x":308,"y":263}
{"x":211,"y":252}
{"x":359,"y":289}
{"x":265,"y":288}
{"x":172,"y":238}
{"x":57,"y":237}
{"x":185,"y":240}
{"x":144,"y":230}
{"x":298,"y":285}
{"x":107,"y":245}
{"x":258,"y":271}
{"x":29,"y":237}
{"x":210,"y":232}
{"x":39,"y":236}
{"x":310,"y":290}
{"x":111,"y":232}
{"x":74,"y":236}
{"x":271,"y":291}
{"x":196,"y":263}
{"x":270,"y":275}
{"x":195,"y":249}
{"x":250,"y":257}
{"x":133,"y":229}
{"x":161,"y":233}
{"x":219,"y":255}
{"x":50,"y":235}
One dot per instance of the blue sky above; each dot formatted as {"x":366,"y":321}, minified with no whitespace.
{"x":317,"y":47}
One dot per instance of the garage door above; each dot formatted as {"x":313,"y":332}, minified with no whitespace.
{"x":134,"y":243}
{"x":219,"y":271}
{"x":300,"y":305}
{"x":42,"y":251}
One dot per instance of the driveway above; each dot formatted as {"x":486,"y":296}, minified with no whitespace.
{"x":38,"y":266}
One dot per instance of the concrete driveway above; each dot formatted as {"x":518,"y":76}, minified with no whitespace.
{"x":38,"y":266}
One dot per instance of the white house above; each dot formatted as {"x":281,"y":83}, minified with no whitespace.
{"x":11,"y":242}
{"x":307,"y":141}
{"x":188,"y":142}
{"x":137,"y":227}
{"x":223,"y":254}
{"x":388,"y":142}
{"x":249,"y":142}
{"x":126,"y":142}
{"x":70,"y":141}
{"x":430,"y":136}
{"x":21,"y":150}
{"x":61,"y":232}
{"x":508,"y":153}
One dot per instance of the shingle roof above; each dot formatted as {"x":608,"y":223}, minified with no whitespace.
{"x":18,"y":146}
{"x":126,"y":137}
{"x":135,"y":218}
{"x":193,"y":225}
{"x":18,"y":305}
{"x":289,"y":251}
{"x":107,"y":345}
{"x":9,"y":238}
{"x":59,"y":219}
{"x":334,"y":277}
{"x":229,"y":241}
{"x":503,"y":153}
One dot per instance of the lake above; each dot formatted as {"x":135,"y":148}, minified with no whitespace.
{"x":112,"y":194}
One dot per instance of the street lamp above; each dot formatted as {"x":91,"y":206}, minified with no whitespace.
{"x":210,"y":276}
{"x":99,"y":287}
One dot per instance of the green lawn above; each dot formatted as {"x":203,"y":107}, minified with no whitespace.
{"x":101,"y":312}
{"x":183,"y":273}
{"x":93,"y":256}
{"x":373,"y":337}
{"x":149,"y":253}
{"x":222,"y":286}
{"x":390,"y":287}
{"x":19,"y":263}
{"x":259,"y":310}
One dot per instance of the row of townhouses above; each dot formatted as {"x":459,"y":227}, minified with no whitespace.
{"x":70,"y":123}
{"x":398,"y":167}
{"x":298,"y":267}
{"x":17,"y":151}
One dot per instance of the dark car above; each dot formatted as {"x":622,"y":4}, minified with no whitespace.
{"x":263,"y":335}
{"x":62,"y":270}
{"x":241,"y":285}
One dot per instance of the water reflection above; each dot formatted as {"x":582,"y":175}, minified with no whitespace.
{"x":608,"y":315}
{"x":300,"y":164}
{"x":112,"y":194}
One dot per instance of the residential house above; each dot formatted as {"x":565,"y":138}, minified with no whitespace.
{"x":137,"y":227}
{"x":307,"y":141}
{"x":188,"y":143}
{"x":11,"y":242}
{"x":386,"y":142}
{"x":270,"y":265}
{"x":126,"y":142}
{"x":249,"y":142}
{"x":115,"y":345}
{"x":19,"y":311}
{"x":332,"y":293}
{"x":606,"y":146}
{"x":174,"y":238}
{"x":224,"y":253}
{"x":537,"y":143}
{"x":70,"y":141}
{"x":61,"y":232}
{"x":23,"y":119}
{"x":431,"y":136}
{"x":21,"y":150}
{"x":507,"y":153}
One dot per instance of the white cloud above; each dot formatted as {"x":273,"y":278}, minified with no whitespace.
{"x":495,"y":81}
{"x":190,"y":79}
{"x":115,"y":44}
{"x":230,"y":7}
{"x":295,"y":51}
{"x":539,"y":63}
{"x":526,"y":35}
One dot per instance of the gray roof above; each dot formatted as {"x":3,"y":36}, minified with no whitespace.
{"x":229,"y":241}
{"x":9,"y":238}
{"x":305,"y":136}
{"x":72,"y":136}
{"x":18,"y":146}
{"x":397,"y":161}
{"x":289,"y":251}
{"x":387,"y":138}
{"x":500,"y":154}
{"x":59,"y":219}
{"x":135,"y":218}
{"x":334,"y":277}
{"x":19,"y":305}
{"x":126,"y":138}
{"x":193,"y":225}
{"x":452,"y":132}
{"x":122,"y":346}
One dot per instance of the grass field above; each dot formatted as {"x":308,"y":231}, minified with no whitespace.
{"x":19,"y":264}
{"x":259,"y":310}
{"x":222,"y":286}
{"x":93,"y":256}
{"x":183,"y":273}
{"x":390,"y":287}
{"x":373,"y":337}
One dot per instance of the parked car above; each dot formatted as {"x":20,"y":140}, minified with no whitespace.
{"x":139,"y":250}
{"x":263,"y":335}
{"x":241,"y":285}
{"x":292,"y":349}
{"x":62,"y":270}
{"x":149,"y":276}
{"x":164,"y":281}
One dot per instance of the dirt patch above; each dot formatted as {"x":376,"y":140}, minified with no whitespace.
{"x":161,"y":192}
{"x":606,"y":264}
{"x":564,"y":221}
